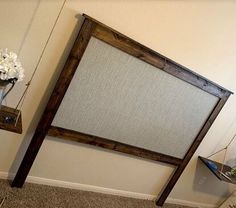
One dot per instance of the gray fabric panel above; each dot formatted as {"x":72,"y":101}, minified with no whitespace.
{"x":119,"y":97}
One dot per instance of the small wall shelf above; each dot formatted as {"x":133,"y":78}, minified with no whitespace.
{"x":9,"y":120}
{"x":219,"y":170}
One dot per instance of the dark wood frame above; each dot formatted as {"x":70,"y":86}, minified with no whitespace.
{"x":96,"y":29}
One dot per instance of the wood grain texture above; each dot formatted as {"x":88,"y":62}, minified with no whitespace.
{"x":160,"y":201}
{"x":11,"y":114}
{"x":112,"y":145}
{"x":54,"y":102}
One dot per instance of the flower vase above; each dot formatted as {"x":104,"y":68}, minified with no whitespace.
{"x":3,"y":85}
{"x":2,"y":92}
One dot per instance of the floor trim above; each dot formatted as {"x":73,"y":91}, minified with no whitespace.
{"x":85,"y":187}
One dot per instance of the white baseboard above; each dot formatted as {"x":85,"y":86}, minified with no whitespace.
{"x":5,"y":175}
{"x":85,"y":187}
{"x":189,"y":203}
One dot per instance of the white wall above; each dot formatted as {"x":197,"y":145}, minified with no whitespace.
{"x":197,"y":34}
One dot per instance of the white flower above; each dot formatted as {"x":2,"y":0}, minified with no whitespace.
{"x":10,"y":66}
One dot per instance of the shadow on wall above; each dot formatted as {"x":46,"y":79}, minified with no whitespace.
{"x":206,"y":182}
{"x":30,"y":131}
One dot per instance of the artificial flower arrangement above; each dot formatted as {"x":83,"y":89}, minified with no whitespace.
{"x":11,"y":71}
{"x":10,"y":66}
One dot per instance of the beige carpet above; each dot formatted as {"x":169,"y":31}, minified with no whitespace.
{"x":41,"y":196}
